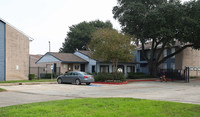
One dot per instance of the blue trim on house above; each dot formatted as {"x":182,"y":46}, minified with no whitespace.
{"x":4,"y":51}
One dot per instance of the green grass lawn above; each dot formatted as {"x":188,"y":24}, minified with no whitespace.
{"x":102,"y":107}
{"x":2,"y":90}
{"x":18,"y":81}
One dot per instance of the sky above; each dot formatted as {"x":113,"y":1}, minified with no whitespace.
{"x":49,"y":20}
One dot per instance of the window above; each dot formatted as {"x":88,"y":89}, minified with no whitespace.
{"x":130,"y":69}
{"x":68,"y":73}
{"x":165,"y":53}
{"x":148,"y":54}
{"x":64,"y":66}
{"x":164,"y":65}
{"x":104,"y":68}
{"x":74,"y":73}
{"x":76,"y":67}
{"x":173,"y":66}
{"x":172,"y":51}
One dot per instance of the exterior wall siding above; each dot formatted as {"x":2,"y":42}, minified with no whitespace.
{"x":47,"y":59}
{"x":2,"y":51}
{"x":90,"y":64}
{"x":179,"y":60}
{"x":191,"y":58}
{"x":110,"y":65}
{"x":17,"y":55}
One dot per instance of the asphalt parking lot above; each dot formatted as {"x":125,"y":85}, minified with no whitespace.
{"x":167,"y":91}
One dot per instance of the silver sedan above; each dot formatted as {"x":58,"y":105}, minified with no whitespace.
{"x":75,"y":77}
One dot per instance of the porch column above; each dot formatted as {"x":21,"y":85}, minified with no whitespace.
{"x":98,"y":68}
{"x":125,"y":70}
{"x":135,"y":68}
{"x":110,"y":68}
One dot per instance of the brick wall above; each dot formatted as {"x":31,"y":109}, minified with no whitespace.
{"x":17,"y":55}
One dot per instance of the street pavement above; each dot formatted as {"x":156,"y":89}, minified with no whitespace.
{"x":154,"y":90}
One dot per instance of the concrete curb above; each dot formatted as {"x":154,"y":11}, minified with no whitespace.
{"x":26,"y":83}
{"x":111,"y":83}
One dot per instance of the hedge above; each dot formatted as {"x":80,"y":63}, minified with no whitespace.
{"x":133,"y":75}
{"x":103,"y":77}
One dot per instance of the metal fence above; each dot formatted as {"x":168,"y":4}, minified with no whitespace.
{"x":43,"y":72}
{"x":178,"y":74}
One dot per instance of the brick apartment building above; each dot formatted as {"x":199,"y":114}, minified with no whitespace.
{"x":14,"y":53}
{"x":188,"y":57}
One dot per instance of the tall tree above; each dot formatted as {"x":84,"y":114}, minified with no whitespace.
{"x":80,"y":35}
{"x":111,"y":46}
{"x":161,"y":22}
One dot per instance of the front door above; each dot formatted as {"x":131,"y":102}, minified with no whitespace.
{"x":83,"y":67}
{"x":70,"y":67}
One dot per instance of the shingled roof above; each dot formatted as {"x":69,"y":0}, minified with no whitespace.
{"x":68,"y":57}
{"x":100,"y":60}
{"x":85,"y":52}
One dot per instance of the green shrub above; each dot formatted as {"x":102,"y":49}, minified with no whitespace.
{"x":47,"y":75}
{"x":103,"y":77}
{"x":133,"y":75}
{"x":31,"y":76}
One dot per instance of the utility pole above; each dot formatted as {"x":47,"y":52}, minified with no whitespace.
{"x":49,"y":46}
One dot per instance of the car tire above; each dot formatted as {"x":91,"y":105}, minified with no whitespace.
{"x":59,"y":81}
{"x":77,"y":82}
{"x":88,"y":83}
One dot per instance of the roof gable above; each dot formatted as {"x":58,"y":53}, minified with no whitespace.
{"x":67,"y":57}
{"x":48,"y":58}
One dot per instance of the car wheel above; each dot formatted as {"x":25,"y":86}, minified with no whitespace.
{"x":78,"y":82}
{"x":59,"y":81}
{"x":88,"y":83}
